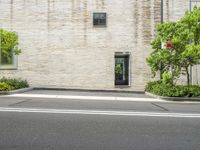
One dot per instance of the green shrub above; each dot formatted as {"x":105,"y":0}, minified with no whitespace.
{"x":5,"y":87}
{"x":15,"y":83}
{"x":194,"y":91}
{"x":162,"y":89}
{"x":167,"y":78}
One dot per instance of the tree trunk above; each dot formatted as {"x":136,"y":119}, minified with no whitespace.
{"x":188,"y":76}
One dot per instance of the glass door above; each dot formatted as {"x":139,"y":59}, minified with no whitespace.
{"x":122,"y":70}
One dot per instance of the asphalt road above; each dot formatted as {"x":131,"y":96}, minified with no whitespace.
{"x":64,"y":131}
{"x":36,"y":131}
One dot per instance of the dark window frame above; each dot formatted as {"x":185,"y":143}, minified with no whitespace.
{"x":99,"y":22}
{"x":194,"y":2}
{"x":126,"y":73}
{"x":8,"y":66}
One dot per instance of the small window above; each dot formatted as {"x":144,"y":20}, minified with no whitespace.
{"x":7,"y":60}
{"x":99,"y":19}
{"x":7,"y":57}
{"x":194,"y":3}
{"x":8,"y":43}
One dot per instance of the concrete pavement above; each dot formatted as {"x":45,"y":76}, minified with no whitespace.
{"x":74,"y":100}
{"x":89,"y":93}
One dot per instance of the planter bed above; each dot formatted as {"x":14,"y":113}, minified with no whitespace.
{"x":11,"y":86}
{"x":15,"y":91}
{"x":161,"y":90}
{"x":189,"y":99}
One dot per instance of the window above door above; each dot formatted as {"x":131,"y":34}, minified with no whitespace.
{"x":99,"y":19}
{"x":8,"y":60}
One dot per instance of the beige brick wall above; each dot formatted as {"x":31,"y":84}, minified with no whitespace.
{"x":175,"y":9}
{"x":61,"y":48}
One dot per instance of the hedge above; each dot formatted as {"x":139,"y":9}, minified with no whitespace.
{"x":161,"y":89}
{"x":8,"y":84}
{"x":5,"y":87}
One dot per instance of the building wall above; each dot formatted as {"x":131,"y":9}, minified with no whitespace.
{"x":61,"y":48}
{"x":175,"y":9}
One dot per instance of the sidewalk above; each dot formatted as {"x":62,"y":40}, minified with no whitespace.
{"x":86,"y":95}
{"x":94,"y":101}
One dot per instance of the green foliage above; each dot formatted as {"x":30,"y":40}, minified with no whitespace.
{"x":185,"y":37}
{"x":149,"y":87}
{"x":8,"y":45}
{"x":5,"y":87}
{"x":192,"y":22}
{"x":118,"y":69}
{"x":194,"y":91}
{"x":167,"y":78}
{"x":162,"y":89}
{"x":15,"y":83}
{"x":156,"y":43}
{"x":191,"y":55}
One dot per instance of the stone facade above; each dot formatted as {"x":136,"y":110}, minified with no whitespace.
{"x":61,"y":47}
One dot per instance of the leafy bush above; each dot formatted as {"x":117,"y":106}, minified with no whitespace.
{"x":194,"y":91}
{"x":162,"y":89}
{"x":167,"y":78}
{"x":176,"y":47}
{"x":15,"y":83}
{"x":5,"y":87}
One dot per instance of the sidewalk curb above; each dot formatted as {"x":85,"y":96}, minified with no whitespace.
{"x":66,"y":89}
{"x":16,"y":91}
{"x":97,"y":98}
{"x":87,"y":90}
{"x":178,"y":99}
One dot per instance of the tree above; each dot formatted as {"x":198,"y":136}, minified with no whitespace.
{"x":8,"y":45}
{"x":189,"y":58}
{"x":191,"y":20}
{"x":184,"y":36}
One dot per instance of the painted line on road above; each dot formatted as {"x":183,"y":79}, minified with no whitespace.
{"x":104,"y":113}
{"x":75,"y":97}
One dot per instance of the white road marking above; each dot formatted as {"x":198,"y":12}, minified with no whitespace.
{"x":98,"y":112}
{"x":86,"y":97}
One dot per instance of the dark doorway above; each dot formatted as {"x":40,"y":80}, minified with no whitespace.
{"x":122,"y":70}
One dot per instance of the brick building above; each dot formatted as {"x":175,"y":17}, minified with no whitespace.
{"x":86,"y":44}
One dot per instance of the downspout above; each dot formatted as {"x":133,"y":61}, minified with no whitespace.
{"x":162,"y":17}
{"x":161,"y":21}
